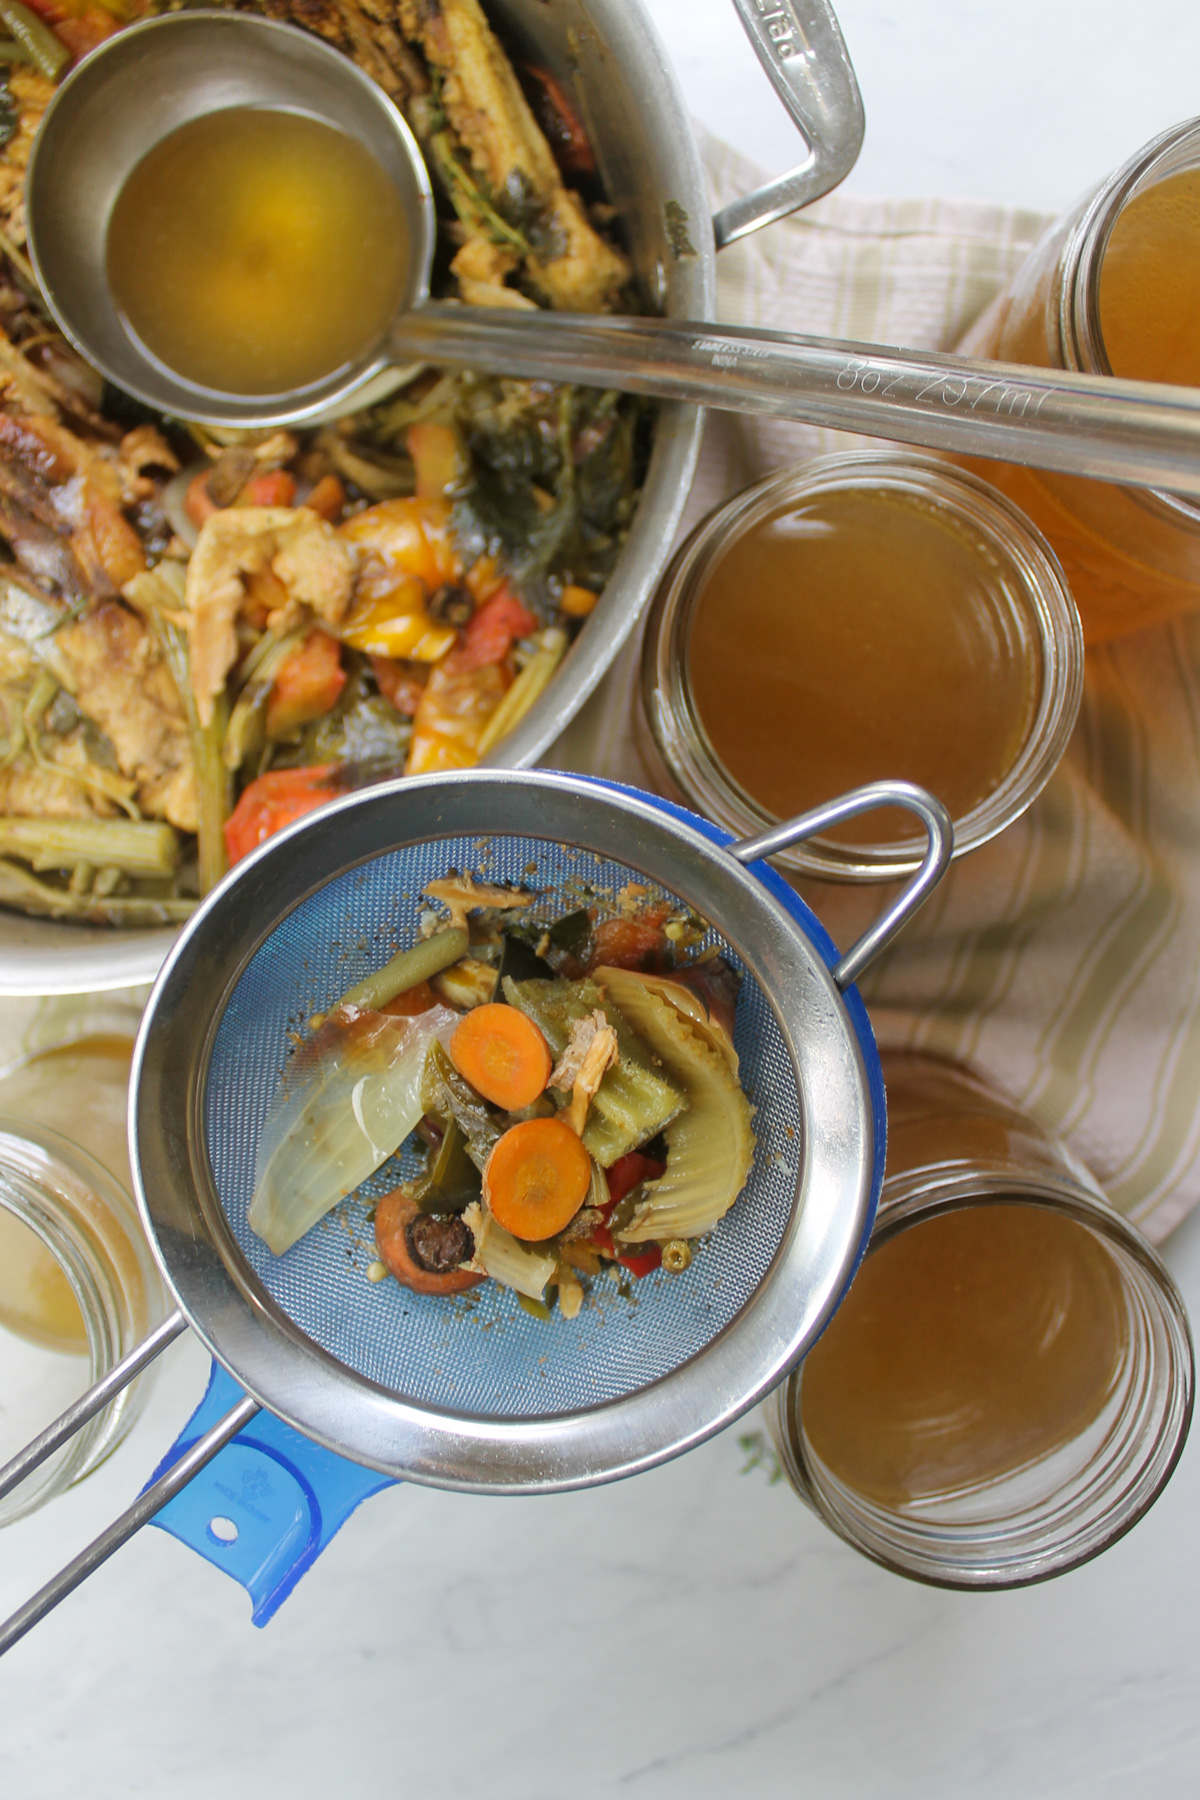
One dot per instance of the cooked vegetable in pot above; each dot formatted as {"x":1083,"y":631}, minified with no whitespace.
{"x":577,"y":1114}
{"x":205,"y":635}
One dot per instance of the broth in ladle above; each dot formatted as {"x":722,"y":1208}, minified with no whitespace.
{"x":254,"y":251}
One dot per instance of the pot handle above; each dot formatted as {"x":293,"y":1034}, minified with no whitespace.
{"x":800,"y":45}
{"x":938,"y":829}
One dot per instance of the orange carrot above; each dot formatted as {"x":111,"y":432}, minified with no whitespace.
{"x":198,"y":503}
{"x":413,"y":1000}
{"x":537,"y":1177}
{"x":395,"y":1217}
{"x":577,"y":602}
{"x":502,"y":1054}
{"x":437,"y":457}
{"x":327,"y":498}
{"x":307,"y":685}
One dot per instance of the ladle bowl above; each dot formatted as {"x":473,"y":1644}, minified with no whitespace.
{"x":145,"y":83}
{"x":153,"y":77}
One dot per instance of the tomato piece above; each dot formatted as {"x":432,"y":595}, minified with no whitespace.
{"x":644,"y":1263}
{"x":274,"y":487}
{"x":273,"y":801}
{"x":403,"y":537}
{"x":84,"y":33}
{"x":625,"y":1174}
{"x":630,"y":944}
{"x":491,"y":634}
{"x":307,"y":685}
{"x":629,"y":1172}
{"x":400,"y":681}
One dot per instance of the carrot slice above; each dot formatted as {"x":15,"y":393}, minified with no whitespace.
{"x":395,"y":1215}
{"x":502,"y":1054}
{"x":537,"y":1178}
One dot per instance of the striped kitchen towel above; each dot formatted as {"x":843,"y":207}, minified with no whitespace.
{"x":1063,"y":959}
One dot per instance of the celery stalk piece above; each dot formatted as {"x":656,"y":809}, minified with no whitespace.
{"x":143,"y":849}
{"x":504,"y":1257}
{"x":347,"y":1101}
{"x":635,"y":1100}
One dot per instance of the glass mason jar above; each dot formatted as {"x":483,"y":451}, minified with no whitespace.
{"x":1020,"y":608}
{"x":1131,"y":555}
{"x":78,"y":1286}
{"x":1046,"y":1476}
{"x":78,"y":1290}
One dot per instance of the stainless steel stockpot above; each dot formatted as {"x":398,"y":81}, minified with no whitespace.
{"x":608,"y":58}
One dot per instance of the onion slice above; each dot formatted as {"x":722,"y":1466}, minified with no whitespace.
{"x":347,"y":1101}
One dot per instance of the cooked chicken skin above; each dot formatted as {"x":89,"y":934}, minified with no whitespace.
{"x":122,"y":685}
{"x":492,"y":119}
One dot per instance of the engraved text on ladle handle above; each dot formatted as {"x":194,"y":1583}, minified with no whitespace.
{"x":1128,"y":431}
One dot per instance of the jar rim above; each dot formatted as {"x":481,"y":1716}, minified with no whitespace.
{"x":674,"y":723}
{"x":1036,"y":1549}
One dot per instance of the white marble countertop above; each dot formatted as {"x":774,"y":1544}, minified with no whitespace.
{"x":694,"y":1631}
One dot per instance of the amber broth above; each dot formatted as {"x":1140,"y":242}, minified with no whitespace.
{"x":255,"y":251}
{"x":855,"y":636}
{"x":1127,"y":567}
{"x":79,"y":1091}
{"x":970,"y":1346}
{"x":1149,"y":280}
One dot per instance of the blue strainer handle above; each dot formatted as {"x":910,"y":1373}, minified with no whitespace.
{"x":265,"y":1507}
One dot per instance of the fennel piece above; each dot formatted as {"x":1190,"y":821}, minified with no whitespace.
{"x":346,"y":1102}
{"x":407,"y":969}
{"x":137,"y":848}
{"x":156,"y":595}
{"x":499,"y":1255}
{"x":634,"y":1100}
{"x":710,"y":1147}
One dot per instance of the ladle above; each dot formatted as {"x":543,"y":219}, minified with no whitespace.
{"x":152,"y":77}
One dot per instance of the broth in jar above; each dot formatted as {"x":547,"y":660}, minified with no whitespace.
{"x":855,"y":637}
{"x":971,"y":1345}
{"x":1111,"y":289}
{"x":862,"y":617}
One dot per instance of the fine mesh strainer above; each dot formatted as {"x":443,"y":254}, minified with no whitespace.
{"x":473,"y":1393}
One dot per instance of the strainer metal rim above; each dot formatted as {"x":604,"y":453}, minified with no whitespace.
{"x":827,"y":1036}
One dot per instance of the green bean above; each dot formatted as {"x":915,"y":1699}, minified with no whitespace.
{"x":405,"y":971}
{"x":45,"y":51}
{"x":148,"y":850}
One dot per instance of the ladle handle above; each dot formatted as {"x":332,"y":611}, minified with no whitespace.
{"x":88,"y":1405}
{"x":799,"y":43}
{"x":1135,"y":432}
{"x":935,"y":862}
{"x":122,"y":1529}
